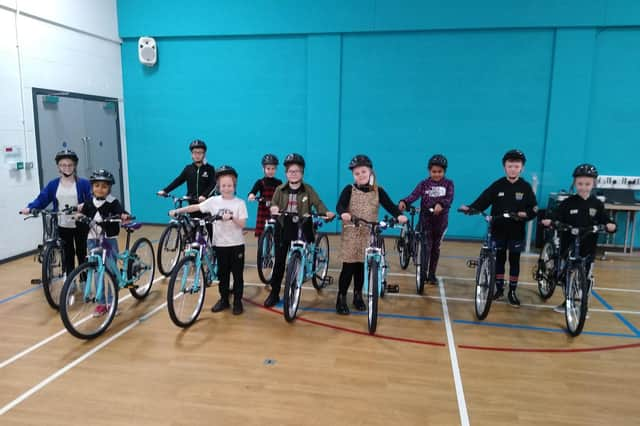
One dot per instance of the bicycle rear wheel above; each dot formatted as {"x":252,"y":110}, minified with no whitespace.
{"x":372,"y":295}
{"x":546,"y":271}
{"x":266,"y":255}
{"x":185,"y":293}
{"x":485,"y":284}
{"x":169,"y":248}
{"x":404,"y":247}
{"x":292,"y":286}
{"x":53,"y":274}
{"x":320,"y":261}
{"x":417,"y":253}
{"x":577,"y":302}
{"x":88,"y":301}
{"x":142,"y":266}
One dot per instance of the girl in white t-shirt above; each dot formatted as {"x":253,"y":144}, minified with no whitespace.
{"x":228,"y":238}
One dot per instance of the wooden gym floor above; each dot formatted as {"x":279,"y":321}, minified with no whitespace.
{"x":430,"y":363}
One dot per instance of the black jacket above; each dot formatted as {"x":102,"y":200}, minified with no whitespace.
{"x":200,"y":180}
{"x":111,"y":207}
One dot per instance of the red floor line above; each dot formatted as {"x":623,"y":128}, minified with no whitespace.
{"x":350,"y":330}
{"x":574,"y":350}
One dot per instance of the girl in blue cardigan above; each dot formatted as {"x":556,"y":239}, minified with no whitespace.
{"x":66,"y":190}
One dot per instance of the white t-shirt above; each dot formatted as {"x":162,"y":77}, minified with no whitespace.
{"x":225,"y":232}
{"x":67,"y":196}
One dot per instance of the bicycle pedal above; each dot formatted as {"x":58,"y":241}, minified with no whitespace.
{"x":328,"y":280}
{"x":393,"y":288}
{"x":472,"y":263}
{"x":36,"y":281}
{"x":133,"y":286}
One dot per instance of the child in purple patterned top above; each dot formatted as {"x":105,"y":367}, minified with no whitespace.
{"x":437,"y":193}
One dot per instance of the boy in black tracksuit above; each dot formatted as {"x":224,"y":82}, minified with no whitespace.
{"x":199,"y":175}
{"x":582,"y":210}
{"x":510,"y":194}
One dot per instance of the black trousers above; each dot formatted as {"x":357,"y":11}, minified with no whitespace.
{"x":283,"y":236}
{"x":350,"y":270}
{"x":75,"y":245}
{"x":230,"y":262}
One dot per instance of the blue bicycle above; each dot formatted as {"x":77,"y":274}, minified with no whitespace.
{"x":376,"y":266}
{"x":192,"y":275}
{"x":175,"y":237}
{"x":266,"y":254}
{"x":305,"y":261}
{"x":89,"y":297}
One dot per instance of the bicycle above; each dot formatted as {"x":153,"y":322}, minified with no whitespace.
{"x":89,"y":297}
{"x":571,"y":269}
{"x":266,"y":253}
{"x":175,"y":237}
{"x":375,"y":266}
{"x":190,"y":278}
{"x":50,"y":255}
{"x":411,"y":244}
{"x":305,"y":261}
{"x":547,"y":270}
{"x":485,"y":264}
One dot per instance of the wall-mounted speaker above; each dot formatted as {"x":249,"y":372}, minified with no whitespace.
{"x":147,"y":51}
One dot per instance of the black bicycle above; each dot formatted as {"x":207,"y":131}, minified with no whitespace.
{"x":485,"y":264}
{"x":51,"y":254}
{"x":175,"y":237}
{"x":409,"y":247}
{"x":547,"y":271}
{"x":266,"y":253}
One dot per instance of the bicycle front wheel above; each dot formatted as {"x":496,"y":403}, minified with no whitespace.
{"x":577,"y":301}
{"x":320,"y":262}
{"x":266,"y":255}
{"x":88,"y":301}
{"x":372,"y":295}
{"x":292,"y":286}
{"x":185,"y":293}
{"x":169,"y":248}
{"x":53,"y":274}
{"x":142,"y":268}
{"x":418,"y":262}
{"x":403,"y":246}
{"x":485,"y":284}
{"x":545,"y":273}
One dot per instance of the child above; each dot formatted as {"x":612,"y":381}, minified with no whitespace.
{"x":582,"y":210}
{"x":293,"y":196}
{"x":361,"y":199}
{"x":103,"y":205}
{"x":265,"y":187}
{"x":228,"y":238}
{"x":199,"y":175}
{"x":508,"y":195}
{"x":437,"y":194}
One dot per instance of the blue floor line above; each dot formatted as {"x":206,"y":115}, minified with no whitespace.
{"x":22,"y":293}
{"x":619,"y":316}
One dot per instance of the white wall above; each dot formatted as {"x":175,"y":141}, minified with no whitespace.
{"x":67,"y":45}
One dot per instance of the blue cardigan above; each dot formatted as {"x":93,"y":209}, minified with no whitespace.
{"x":48,"y":194}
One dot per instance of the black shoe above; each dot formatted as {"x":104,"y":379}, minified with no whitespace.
{"x":237,"y":307}
{"x":358,"y":303}
{"x":220,"y":305}
{"x":432,"y":279}
{"x":499,"y":293}
{"x":272,"y":299}
{"x":341,"y":305}
{"x":513,"y":298}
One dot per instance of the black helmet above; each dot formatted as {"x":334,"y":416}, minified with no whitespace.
{"x":102,"y":175}
{"x":66,"y":153}
{"x":269,"y":160}
{"x":197,"y":143}
{"x":438,"y":160}
{"x":226,"y":170}
{"x":586,"y":170}
{"x":514,"y":155}
{"x":294,"y":158}
{"x":360,"y":160}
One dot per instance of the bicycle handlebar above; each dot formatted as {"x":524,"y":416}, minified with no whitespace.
{"x":505,"y":215}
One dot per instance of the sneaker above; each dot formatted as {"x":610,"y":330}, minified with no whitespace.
{"x":221,"y":305}
{"x":432,"y":279}
{"x":100,"y":311}
{"x":341,"y":305}
{"x":237,"y":307}
{"x":272,"y":299}
{"x":512,"y":297}
{"x":560,"y":308}
{"x":358,"y":303}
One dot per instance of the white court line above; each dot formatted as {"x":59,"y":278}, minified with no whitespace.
{"x":462,"y":404}
{"x":53,"y":337}
{"x":77,"y":361}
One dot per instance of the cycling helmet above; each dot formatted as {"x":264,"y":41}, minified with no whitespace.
{"x":269,"y":160}
{"x":294,"y":158}
{"x":586,"y":170}
{"x":102,"y":175}
{"x":66,"y":153}
{"x":226,"y":170}
{"x":360,"y":160}
{"x":197,"y":143}
{"x":514,"y":155}
{"x":438,"y":160}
